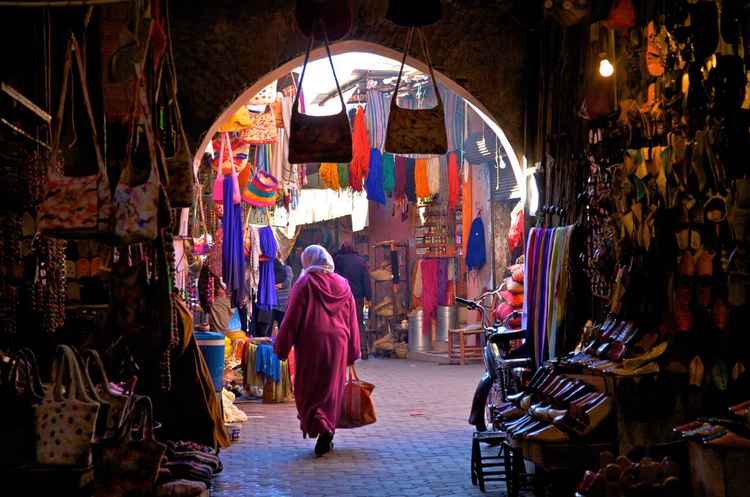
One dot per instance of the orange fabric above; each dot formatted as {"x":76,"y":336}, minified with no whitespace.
{"x":420,"y":178}
{"x":360,"y":151}
{"x":452,"y":181}
{"x":329,"y":175}
{"x":468,"y":200}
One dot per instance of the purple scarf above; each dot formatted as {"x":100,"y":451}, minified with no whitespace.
{"x":233,"y":257}
{"x":267,"y":298}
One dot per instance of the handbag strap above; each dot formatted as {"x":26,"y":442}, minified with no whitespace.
{"x":140,"y":413}
{"x":74,"y":51}
{"x":67,"y":362}
{"x":304,"y":68}
{"x":426,"y":52}
{"x":36,"y":381}
{"x":92,"y":358}
{"x":226,"y":141}
{"x":353,"y":373}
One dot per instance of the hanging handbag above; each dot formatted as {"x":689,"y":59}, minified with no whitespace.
{"x":115,"y":400}
{"x":75,"y":206}
{"x":224,"y":169}
{"x":128,"y":465}
{"x":316,"y":18}
{"x":263,"y":129}
{"x":201,"y":238}
{"x":66,"y":418}
{"x":180,"y":170}
{"x":414,"y":14}
{"x":262,"y":190}
{"x":357,"y":408}
{"x":137,"y":207}
{"x":20,"y":391}
{"x":319,"y":138}
{"x":420,"y":131}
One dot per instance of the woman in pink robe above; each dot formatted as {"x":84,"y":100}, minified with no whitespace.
{"x":321,"y":324}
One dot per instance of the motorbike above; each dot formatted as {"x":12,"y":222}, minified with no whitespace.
{"x":499,"y":359}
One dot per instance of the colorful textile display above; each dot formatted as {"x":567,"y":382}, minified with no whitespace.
{"x":360,"y":151}
{"x":389,"y":173}
{"x":467,"y":199}
{"x":453,"y":181}
{"x":262,"y":190}
{"x":267,"y":286}
{"x":421,"y":185}
{"x":233,"y":257}
{"x":476,"y":252}
{"x":267,"y":363}
{"x":377,"y":117}
{"x":454,"y":118}
{"x":434,"y":290}
{"x":281,"y":391}
{"x":374,"y":183}
{"x":546,"y":283}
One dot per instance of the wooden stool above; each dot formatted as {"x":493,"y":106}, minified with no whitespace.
{"x":487,"y":468}
{"x":457,"y":346}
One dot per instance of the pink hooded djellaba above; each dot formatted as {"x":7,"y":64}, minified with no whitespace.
{"x":321,"y":324}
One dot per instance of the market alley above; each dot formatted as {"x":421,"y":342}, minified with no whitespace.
{"x":419,"y":446}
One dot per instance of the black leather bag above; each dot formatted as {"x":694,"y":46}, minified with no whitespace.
{"x":319,"y":138}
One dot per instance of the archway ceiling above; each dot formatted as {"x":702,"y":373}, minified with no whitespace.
{"x":224,"y":47}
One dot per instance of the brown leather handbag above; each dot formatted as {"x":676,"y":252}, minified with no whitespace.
{"x":319,"y":138}
{"x":419,"y":131}
{"x":357,"y":408}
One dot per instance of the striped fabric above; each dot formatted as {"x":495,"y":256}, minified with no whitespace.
{"x":378,"y":107}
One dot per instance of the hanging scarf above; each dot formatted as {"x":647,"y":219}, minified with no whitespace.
{"x":476,"y":253}
{"x":374,"y":183}
{"x":454,"y":125}
{"x":389,"y":173}
{"x":343,"y":175}
{"x":378,"y":109}
{"x":433,"y":175}
{"x":399,"y":190}
{"x":411,"y":187}
{"x":421,"y":185}
{"x":467,"y":202}
{"x":360,"y":151}
{"x":329,"y":176}
{"x":233,"y":257}
{"x":452,"y":181}
{"x":267,"y":285}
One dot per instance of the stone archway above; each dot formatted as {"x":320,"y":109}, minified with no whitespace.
{"x":224,"y":48}
{"x":350,"y":46}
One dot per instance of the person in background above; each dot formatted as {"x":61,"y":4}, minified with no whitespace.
{"x":284,"y":278}
{"x":353,"y":267}
{"x":321,"y":324}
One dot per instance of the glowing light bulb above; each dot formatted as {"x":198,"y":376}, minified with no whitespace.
{"x":606,"y":69}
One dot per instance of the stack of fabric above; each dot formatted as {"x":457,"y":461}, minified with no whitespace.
{"x":265,"y":374}
{"x":187,"y":469}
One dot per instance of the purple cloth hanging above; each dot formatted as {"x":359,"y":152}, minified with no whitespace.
{"x":267,"y":297}
{"x":232,"y":256}
{"x":442,"y":282}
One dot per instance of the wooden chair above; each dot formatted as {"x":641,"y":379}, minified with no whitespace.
{"x":487,"y":468}
{"x":458,"y":346}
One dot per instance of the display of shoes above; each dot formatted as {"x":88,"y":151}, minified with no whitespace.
{"x":620,"y":477}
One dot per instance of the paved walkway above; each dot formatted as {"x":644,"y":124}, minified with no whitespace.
{"x":420,"y":445}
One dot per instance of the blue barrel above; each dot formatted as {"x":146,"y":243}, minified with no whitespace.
{"x":212,"y":347}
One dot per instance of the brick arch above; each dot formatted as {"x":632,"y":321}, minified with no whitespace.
{"x":226,"y":49}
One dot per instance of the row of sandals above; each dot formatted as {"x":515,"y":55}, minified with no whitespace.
{"x":554,"y":408}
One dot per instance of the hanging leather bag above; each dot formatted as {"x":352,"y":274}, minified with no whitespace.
{"x":137,"y":207}
{"x":316,"y":18}
{"x":75,"y":206}
{"x":414,"y":14}
{"x":130,"y":465}
{"x":319,"y":138}
{"x":92,"y":361}
{"x":65,"y":420}
{"x":20,"y":391}
{"x":357,"y":408}
{"x":419,"y":131}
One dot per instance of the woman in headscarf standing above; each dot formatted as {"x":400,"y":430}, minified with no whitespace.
{"x":321,"y":324}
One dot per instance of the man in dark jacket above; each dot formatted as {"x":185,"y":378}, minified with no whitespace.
{"x":353,"y":267}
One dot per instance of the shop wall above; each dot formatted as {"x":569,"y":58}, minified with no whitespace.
{"x":223,"y":47}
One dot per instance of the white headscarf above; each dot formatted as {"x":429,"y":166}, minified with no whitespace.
{"x":316,"y":259}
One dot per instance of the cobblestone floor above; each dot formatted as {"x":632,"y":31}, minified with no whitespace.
{"x":420,"y":445}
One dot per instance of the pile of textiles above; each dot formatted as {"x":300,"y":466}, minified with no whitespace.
{"x":265,"y":375}
{"x":188,"y":464}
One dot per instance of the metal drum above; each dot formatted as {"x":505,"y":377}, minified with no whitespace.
{"x":446,"y":319}
{"x":418,"y":341}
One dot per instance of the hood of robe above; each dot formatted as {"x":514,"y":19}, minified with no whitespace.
{"x":329,"y":288}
